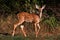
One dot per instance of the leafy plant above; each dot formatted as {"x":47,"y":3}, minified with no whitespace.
{"x":51,"y":22}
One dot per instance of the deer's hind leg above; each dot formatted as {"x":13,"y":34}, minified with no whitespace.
{"x":16,"y":25}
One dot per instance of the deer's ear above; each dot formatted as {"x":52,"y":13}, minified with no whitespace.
{"x":37,"y":7}
{"x":43,"y":7}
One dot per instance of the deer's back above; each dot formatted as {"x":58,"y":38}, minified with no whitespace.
{"x":28,"y":17}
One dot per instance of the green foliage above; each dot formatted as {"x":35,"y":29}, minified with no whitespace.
{"x":18,"y":5}
{"x":51,"y":21}
{"x":3,"y":37}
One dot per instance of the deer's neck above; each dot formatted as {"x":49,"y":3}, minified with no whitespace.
{"x":40,"y":14}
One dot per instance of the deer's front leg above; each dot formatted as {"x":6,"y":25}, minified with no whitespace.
{"x":38,"y":28}
{"x":35,"y":29}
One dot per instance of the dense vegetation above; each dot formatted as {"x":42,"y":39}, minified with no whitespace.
{"x":50,"y":20}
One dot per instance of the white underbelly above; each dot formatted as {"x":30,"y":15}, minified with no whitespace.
{"x":28,"y":20}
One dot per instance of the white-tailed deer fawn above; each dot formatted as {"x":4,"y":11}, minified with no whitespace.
{"x":27,"y":17}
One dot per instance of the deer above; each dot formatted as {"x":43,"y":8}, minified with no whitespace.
{"x":27,"y":17}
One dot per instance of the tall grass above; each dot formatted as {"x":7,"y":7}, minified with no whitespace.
{"x":52,"y":23}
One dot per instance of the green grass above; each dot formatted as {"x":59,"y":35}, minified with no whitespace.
{"x":8,"y":37}
{"x":3,"y":37}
